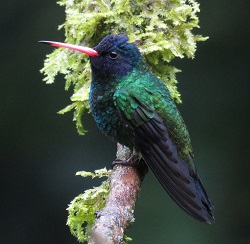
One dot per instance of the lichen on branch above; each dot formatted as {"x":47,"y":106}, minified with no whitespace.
{"x":161,"y":29}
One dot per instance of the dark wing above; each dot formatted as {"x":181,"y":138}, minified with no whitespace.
{"x":150,"y":136}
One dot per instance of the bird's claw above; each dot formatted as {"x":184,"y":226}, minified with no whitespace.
{"x":133,"y":162}
{"x":128,"y":162}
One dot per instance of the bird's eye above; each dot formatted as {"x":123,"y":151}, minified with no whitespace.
{"x":113,"y":55}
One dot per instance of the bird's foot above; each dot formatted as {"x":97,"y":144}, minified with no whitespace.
{"x":131,"y":161}
{"x":126,"y":157}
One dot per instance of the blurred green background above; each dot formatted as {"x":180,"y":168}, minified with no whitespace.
{"x":41,"y":150}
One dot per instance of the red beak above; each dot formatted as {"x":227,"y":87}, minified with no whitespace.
{"x":87,"y":50}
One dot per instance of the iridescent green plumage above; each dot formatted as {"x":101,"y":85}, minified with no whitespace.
{"x":133,"y":107}
{"x":148,"y":90}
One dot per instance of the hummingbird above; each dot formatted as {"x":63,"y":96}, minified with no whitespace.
{"x":133,"y":107}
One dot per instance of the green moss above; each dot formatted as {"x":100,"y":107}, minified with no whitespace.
{"x":161,"y":29}
{"x":83,"y":208}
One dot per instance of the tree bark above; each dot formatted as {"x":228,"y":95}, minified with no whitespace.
{"x":118,"y":214}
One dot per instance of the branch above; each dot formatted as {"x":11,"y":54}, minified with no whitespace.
{"x":117,"y":215}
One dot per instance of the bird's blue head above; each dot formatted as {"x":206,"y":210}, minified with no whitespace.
{"x":116,"y":57}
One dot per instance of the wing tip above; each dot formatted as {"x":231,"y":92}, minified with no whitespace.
{"x":209,"y":220}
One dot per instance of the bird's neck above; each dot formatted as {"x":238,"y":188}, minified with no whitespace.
{"x":105,"y":84}
{"x":101,"y":85}
{"x":139,"y":70}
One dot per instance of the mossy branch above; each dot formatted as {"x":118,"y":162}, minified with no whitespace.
{"x":118,"y":214}
{"x":103,"y":214}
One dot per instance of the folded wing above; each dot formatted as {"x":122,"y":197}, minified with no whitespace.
{"x":149,"y":134}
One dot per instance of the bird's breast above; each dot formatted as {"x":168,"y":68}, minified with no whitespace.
{"x":105,"y":114}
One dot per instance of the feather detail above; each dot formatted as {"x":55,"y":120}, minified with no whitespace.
{"x":184,"y":186}
{"x":150,"y":137}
